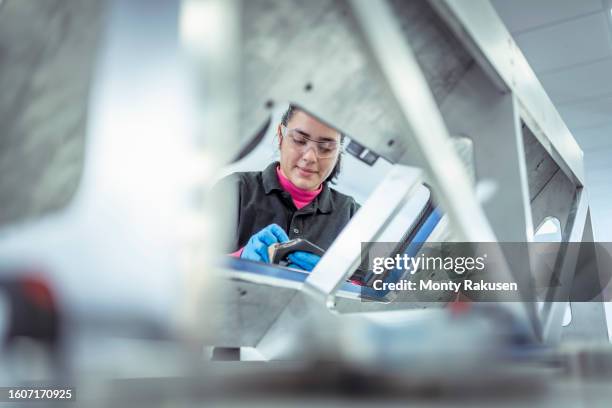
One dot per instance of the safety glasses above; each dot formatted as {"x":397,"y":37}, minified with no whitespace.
{"x":324,"y":149}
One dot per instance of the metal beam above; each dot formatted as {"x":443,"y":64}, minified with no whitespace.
{"x":481,"y":29}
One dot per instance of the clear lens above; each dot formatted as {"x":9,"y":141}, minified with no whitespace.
{"x":300,"y":142}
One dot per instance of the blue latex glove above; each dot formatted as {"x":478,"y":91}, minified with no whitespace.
{"x":303,"y":260}
{"x":257,"y":247}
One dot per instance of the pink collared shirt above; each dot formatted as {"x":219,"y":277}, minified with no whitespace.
{"x":300,"y":197}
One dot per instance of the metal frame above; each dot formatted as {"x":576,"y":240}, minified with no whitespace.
{"x":489,"y":104}
{"x":554,"y":307}
{"x":425,"y":127}
{"x":477,"y":23}
{"x":377,"y":213}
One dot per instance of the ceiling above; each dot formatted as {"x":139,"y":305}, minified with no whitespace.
{"x":568,"y":43}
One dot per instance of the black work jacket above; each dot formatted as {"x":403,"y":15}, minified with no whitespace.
{"x":262,"y":201}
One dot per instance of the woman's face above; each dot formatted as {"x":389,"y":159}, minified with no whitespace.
{"x":301,"y":165}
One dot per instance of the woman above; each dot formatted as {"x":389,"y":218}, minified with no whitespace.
{"x":292,"y":198}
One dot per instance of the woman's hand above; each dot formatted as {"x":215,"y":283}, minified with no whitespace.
{"x":257,"y":247}
{"x":303,"y":260}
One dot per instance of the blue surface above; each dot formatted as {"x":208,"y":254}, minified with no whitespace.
{"x":274,"y":271}
{"x":411,"y":250}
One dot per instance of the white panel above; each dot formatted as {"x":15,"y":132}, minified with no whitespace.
{"x":595,"y":138}
{"x":601,"y":172}
{"x":598,"y":156}
{"x":599,"y":175}
{"x":601,"y":203}
{"x":599,"y":185}
{"x":357,"y":179}
{"x":580,"y":82}
{"x":600,"y":198}
{"x":591,"y":113}
{"x":598,"y":161}
{"x":567,"y":44}
{"x":521,"y":15}
{"x":604,"y":216}
{"x":602,"y":213}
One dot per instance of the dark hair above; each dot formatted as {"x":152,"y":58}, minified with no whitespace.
{"x":336,"y":170}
